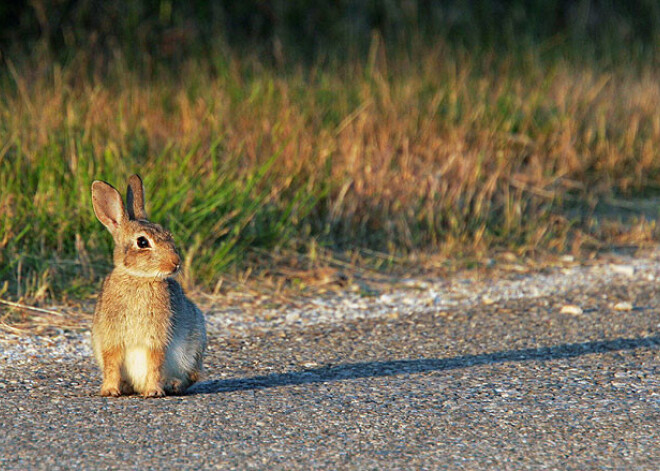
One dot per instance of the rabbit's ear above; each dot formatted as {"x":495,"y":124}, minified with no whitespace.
{"x":135,"y":198}
{"x":108,"y":206}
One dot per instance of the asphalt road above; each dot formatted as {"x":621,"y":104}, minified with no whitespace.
{"x":516,"y":385}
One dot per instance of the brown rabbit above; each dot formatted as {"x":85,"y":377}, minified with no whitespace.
{"x":147,"y":336}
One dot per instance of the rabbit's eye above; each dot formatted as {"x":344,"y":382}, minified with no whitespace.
{"x":142,"y":242}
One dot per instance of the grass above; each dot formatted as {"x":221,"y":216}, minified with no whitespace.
{"x":440,"y":152}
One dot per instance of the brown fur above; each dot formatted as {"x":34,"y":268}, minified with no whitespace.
{"x":112,"y":360}
{"x":147,"y":336}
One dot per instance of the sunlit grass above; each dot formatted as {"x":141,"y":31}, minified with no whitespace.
{"x":446,"y":152}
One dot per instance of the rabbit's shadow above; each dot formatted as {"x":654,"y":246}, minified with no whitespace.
{"x":376,"y":369}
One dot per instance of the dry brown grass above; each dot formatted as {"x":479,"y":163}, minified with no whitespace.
{"x":448,"y":153}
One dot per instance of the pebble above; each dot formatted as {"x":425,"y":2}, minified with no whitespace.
{"x":623,"y":306}
{"x":387,"y":298}
{"x":571,"y":309}
{"x":626,"y":270}
{"x":293,"y":317}
{"x":487,"y":300}
{"x":415,"y":284}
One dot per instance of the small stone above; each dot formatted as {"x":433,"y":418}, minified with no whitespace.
{"x":292,"y":317}
{"x":571,"y":309}
{"x":487,"y":300}
{"x":626,"y":270}
{"x":415,"y":284}
{"x":387,"y":298}
{"x":623,"y":306}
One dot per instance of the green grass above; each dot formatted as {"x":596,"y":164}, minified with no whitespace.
{"x":441,"y":151}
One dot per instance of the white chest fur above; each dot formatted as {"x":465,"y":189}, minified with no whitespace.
{"x":136,"y":366}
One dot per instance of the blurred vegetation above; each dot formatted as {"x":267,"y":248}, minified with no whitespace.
{"x":290,"y":31}
{"x":267,"y":128}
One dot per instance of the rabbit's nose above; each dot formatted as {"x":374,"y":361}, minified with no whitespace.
{"x":176,"y":261}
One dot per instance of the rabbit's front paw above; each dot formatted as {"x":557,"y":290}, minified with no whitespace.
{"x":154,"y":392}
{"x":110,"y":391}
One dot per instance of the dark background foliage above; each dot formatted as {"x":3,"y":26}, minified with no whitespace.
{"x":294,"y":30}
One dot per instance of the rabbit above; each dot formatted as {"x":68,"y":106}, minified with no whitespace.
{"x":147,"y":336}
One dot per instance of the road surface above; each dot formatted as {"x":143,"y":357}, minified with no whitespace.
{"x":511,"y":384}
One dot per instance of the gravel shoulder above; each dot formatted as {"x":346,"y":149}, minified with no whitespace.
{"x":465,"y":373}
